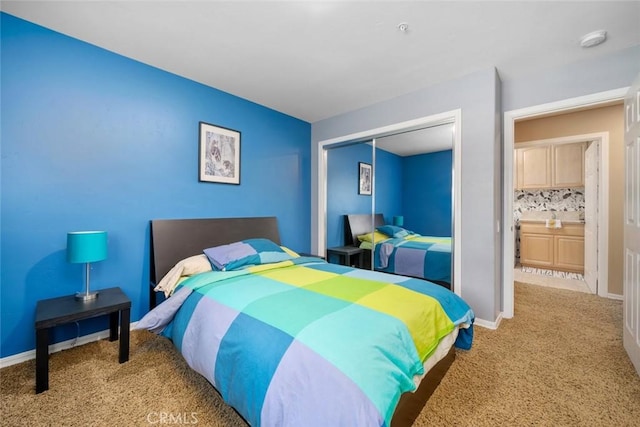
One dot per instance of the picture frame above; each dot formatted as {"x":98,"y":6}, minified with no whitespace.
{"x":365,"y":179}
{"x":219,"y":154}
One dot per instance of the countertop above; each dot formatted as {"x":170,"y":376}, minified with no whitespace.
{"x":564,"y":221}
{"x":567,"y":217}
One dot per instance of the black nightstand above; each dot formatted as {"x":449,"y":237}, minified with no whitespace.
{"x":345,"y":254}
{"x":58,"y":311}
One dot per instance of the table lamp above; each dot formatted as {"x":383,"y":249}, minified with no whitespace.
{"x":86,"y":247}
{"x":398,"y":221}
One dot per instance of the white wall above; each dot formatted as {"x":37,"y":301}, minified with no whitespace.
{"x":604,"y":73}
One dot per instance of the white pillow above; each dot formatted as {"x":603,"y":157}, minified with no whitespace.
{"x":187,"y":267}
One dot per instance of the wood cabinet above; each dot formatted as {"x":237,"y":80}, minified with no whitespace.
{"x":568,"y":253}
{"x":552,"y":248}
{"x":550,"y":166}
{"x":567,"y":165}
{"x":534,"y":167}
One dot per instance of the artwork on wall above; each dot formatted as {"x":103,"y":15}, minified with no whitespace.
{"x":364,"y":181}
{"x":219,"y":154}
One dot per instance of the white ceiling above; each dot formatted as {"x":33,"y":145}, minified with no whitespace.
{"x":420,"y":141}
{"x":314,"y":60}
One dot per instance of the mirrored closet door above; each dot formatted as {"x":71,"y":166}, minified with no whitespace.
{"x":410,"y":187}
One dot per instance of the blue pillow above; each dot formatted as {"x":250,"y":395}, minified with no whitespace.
{"x":394,"y":230}
{"x":248,"y":252}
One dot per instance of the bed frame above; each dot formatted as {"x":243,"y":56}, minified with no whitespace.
{"x":355,"y":225}
{"x":175,"y":239}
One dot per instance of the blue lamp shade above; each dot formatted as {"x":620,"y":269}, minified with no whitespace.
{"x":86,"y":246}
{"x":398,"y":221}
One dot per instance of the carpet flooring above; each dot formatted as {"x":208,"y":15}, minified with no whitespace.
{"x":558,"y":362}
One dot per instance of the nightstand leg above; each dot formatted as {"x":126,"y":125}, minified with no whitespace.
{"x":42,"y":360}
{"x":124,"y":334}
{"x":113,"y":326}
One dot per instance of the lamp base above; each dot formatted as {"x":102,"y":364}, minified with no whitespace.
{"x":86,"y":296}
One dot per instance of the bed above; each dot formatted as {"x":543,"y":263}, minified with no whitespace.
{"x":295,"y":340}
{"x":426,"y":257}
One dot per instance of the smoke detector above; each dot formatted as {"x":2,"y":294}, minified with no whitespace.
{"x":403,"y":27}
{"x":593,"y":39}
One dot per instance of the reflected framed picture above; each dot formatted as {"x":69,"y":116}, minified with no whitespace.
{"x":364,"y":179}
{"x":219,"y":154}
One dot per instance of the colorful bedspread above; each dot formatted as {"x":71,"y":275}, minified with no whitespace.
{"x":304,"y":342}
{"x":417,"y":256}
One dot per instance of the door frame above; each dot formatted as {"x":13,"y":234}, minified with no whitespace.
{"x":592,"y":189}
{"x":452,"y":116}
{"x":508,"y":243}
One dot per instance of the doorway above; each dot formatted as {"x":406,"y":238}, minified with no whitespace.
{"x":510,"y":117}
{"x":576,"y":206}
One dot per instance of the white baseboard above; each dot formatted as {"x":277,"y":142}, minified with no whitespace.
{"x":54,"y":348}
{"x":487,"y":324}
{"x":615,"y":296}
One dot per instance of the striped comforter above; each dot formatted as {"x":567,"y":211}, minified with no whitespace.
{"x":304,"y":342}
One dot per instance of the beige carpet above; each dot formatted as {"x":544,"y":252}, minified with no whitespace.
{"x":558,"y":362}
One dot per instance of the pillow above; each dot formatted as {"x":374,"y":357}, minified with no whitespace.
{"x":366,"y":245}
{"x":370,"y":237}
{"x":187,"y":267}
{"x":394,"y":230}
{"x":248,"y":252}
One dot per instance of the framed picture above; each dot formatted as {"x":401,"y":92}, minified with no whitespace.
{"x":219,"y":154}
{"x":364,"y":178}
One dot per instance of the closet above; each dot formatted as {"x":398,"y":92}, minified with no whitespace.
{"x":398,"y":175}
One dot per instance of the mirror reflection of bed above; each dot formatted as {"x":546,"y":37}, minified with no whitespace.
{"x":236,"y":325}
{"x":413,"y":179}
{"x":404,"y":252}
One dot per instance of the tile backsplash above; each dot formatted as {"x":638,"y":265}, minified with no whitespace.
{"x":555,"y":200}
{"x":559,"y":200}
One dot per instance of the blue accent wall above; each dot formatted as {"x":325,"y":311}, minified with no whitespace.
{"x":427,"y":193}
{"x":94,"y":140}
{"x":390,"y":184}
{"x":342,"y":188}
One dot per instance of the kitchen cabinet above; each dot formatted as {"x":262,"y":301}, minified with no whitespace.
{"x":567,"y":165}
{"x":550,"y":166}
{"x":533,"y":167}
{"x":552,"y":248}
